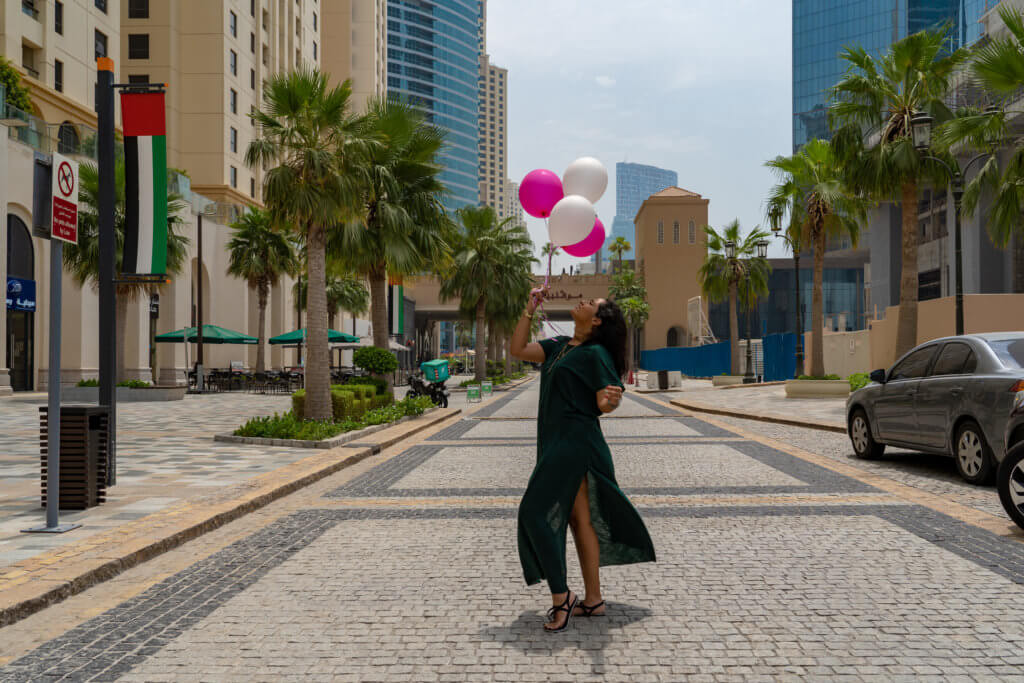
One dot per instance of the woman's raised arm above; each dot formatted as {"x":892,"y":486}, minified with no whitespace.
{"x":521,"y":347}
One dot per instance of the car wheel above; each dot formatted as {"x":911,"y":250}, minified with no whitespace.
{"x":1010,"y":484}
{"x":864,"y":445}
{"x":973,"y":457}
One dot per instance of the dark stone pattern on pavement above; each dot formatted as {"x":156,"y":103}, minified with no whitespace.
{"x":458,"y":431}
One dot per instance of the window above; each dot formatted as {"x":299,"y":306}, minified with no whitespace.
{"x":234,"y":177}
{"x":956,"y":359}
{"x":58,"y":18}
{"x":252,"y":116}
{"x":661,"y":233}
{"x":233,"y":24}
{"x":1010,"y":352}
{"x":233,"y":62}
{"x":138,"y":46}
{"x":252,"y":78}
{"x":252,"y":188}
{"x":252,"y":43}
{"x":314,"y":49}
{"x":138,"y":9}
{"x":100,"y":40}
{"x":233,"y":101}
{"x":675,"y":232}
{"x":67,"y":138}
{"x":693,"y":232}
{"x":140,"y":79}
{"x":58,"y":75}
{"x":314,"y":21}
{"x":913,"y":366}
{"x":233,"y":137}
{"x":252,"y":8}
{"x":101,"y":5}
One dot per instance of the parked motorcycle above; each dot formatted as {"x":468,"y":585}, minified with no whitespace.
{"x":433,"y":385}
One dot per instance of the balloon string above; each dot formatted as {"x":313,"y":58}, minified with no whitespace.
{"x":547,"y":280}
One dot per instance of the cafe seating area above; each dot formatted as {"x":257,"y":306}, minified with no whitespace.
{"x":270,"y":382}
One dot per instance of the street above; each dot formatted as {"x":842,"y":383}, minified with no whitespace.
{"x":779,"y":557}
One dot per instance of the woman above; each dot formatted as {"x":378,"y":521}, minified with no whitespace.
{"x":573,"y":482}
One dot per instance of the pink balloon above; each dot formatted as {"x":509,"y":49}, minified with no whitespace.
{"x":589,"y":246}
{"x":539,"y":192}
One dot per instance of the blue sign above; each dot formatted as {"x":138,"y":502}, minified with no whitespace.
{"x":21,"y":294}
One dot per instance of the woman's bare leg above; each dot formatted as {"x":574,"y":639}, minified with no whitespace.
{"x":587,"y":547}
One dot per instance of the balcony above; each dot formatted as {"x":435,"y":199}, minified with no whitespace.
{"x":29,"y":7}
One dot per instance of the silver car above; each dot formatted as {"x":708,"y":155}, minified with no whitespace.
{"x":951,"y":396}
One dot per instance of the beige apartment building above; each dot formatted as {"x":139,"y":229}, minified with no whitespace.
{"x":670,"y":249}
{"x":494,"y":137}
{"x":356,"y":46}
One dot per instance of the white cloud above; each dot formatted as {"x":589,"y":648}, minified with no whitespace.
{"x":605,"y":81}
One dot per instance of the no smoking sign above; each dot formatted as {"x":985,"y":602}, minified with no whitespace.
{"x":65,"y":199}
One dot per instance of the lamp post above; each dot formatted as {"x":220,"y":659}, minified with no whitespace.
{"x":795,"y":248}
{"x":748,"y":376}
{"x":921,"y":128}
{"x":208,"y":210}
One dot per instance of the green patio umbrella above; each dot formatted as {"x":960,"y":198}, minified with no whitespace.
{"x":299,"y":337}
{"x":212,"y":334}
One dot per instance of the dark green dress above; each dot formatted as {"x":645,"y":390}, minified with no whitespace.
{"x":570,"y":446}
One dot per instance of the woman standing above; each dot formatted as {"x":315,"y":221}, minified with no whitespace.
{"x":573,"y":483}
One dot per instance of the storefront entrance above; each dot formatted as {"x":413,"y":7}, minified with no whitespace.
{"x":21,"y":305}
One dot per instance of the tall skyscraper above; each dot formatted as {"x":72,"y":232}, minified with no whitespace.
{"x":434,"y":64}
{"x":493,"y":137}
{"x":823,"y":28}
{"x":633,"y":184}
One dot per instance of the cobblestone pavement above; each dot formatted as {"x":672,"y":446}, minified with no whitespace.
{"x":771,"y":565}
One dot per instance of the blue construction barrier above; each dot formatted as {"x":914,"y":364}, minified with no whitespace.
{"x":779,"y":357}
{"x":692,"y":361}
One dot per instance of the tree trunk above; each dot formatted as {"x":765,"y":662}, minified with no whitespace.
{"x":734,"y":332}
{"x":1018,"y":263}
{"x":120,"y":336}
{"x":262,"y":294}
{"x":318,"y":375}
{"x":629,"y":351}
{"x":817,"y":307}
{"x":492,"y":342}
{"x":507,"y":350}
{"x":906,"y":332}
{"x":379,"y":309}
{"x":480,"y":346}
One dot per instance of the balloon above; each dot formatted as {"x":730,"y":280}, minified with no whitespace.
{"x":571,"y":220}
{"x":539,"y":192}
{"x":591,"y":245}
{"x":586,"y":177}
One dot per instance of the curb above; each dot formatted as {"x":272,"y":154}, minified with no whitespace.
{"x":34,"y":584}
{"x":822,"y":425}
{"x":332,"y":442}
{"x":514,"y":384}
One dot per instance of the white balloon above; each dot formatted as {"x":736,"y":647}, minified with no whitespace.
{"x":571,"y":220}
{"x":586,"y":177}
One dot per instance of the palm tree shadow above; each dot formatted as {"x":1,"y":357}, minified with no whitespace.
{"x":592,"y":634}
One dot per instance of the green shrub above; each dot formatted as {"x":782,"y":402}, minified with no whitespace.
{"x":299,"y":402}
{"x":380,"y":385}
{"x":288,"y":426}
{"x":374,"y":360}
{"x":342,"y":404}
{"x":88,"y":382}
{"x":381,"y":401}
{"x":133,"y":384}
{"x":362,"y":391}
{"x":819,"y":378}
{"x":859,"y":380}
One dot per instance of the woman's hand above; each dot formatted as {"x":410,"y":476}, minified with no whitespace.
{"x":537,"y":296}
{"x":609,"y":398}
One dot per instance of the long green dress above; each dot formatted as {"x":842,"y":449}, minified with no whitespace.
{"x":570,"y":446}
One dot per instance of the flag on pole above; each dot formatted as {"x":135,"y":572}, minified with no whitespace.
{"x":145,"y":191}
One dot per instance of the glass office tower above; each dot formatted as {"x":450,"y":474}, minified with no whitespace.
{"x":823,"y":28}
{"x":633,"y":184}
{"x":434,"y":63}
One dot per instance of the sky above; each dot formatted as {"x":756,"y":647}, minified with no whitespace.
{"x":701,"y":87}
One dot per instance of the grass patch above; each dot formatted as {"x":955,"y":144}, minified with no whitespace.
{"x":825,"y":377}
{"x":287,"y":426}
{"x":88,"y":383}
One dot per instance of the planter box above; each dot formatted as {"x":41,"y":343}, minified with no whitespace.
{"x":817,"y":388}
{"x":726,"y":380}
{"x":124,"y":394}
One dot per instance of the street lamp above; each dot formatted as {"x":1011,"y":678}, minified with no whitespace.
{"x":730,"y":250}
{"x":921,"y":128}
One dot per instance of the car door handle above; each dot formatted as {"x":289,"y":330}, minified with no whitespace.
{"x":956,"y":391}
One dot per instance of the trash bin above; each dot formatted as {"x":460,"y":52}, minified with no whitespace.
{"x":662,"y":380}
{"x":83,"y":455}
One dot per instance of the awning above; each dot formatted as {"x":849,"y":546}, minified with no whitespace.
{"x":212,"y":334}
{"x":299,"y":337}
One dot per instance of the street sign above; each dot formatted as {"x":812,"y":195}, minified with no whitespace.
{"x":486,"y":388}
{"x":473,"y":393}
{"x":65,"y":199}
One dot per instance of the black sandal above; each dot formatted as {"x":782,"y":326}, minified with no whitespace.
{"x":569,"y":606}
{"x":588,"y":610}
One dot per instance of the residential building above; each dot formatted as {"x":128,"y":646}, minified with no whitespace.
{"x":494,"y":137}
{"x":634,"y":183}
{"x":434,"y":63}
{"x":216,"y":54}
{"x":355,"y":46}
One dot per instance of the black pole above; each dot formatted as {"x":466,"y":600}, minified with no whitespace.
{"x":799,"y":317}
{"x":200,"y":379}
{"x":958,"y":195}
{"x":107,"y":256}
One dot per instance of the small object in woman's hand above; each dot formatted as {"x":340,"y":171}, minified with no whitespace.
{"x":613,"y":395}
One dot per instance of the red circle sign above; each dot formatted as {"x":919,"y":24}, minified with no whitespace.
{"x":65,"y":179}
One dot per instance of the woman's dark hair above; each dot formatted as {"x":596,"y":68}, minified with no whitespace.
{"x":611,"y":333}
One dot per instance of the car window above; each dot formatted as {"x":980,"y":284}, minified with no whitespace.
{"x":913,"y":366}
{"x":1010,"y":352}
{"x":953,"y":360}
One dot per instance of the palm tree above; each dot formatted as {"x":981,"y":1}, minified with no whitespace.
{"x":720,"y":277}
{"x":812,"y":194}
{"x":260,"y":255}
{"x":347,"y":292}
{"x":306,"y":136}
{"x":491,"y":260}
{"x":619,"y":247}
{"x":81,"y":260}
{"x":630,"y":291}
{"x":404,"y":229}
{"x":873,"y":105}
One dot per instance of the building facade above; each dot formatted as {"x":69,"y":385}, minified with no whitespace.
{"x":494,"y":138}
{"x":434,"y":63}
{"x":634,"y":183}
{"x":822,"y":29}
{"x":355,"y":47}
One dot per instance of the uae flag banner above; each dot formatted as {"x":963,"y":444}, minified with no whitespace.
{"x":145,"y":184}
